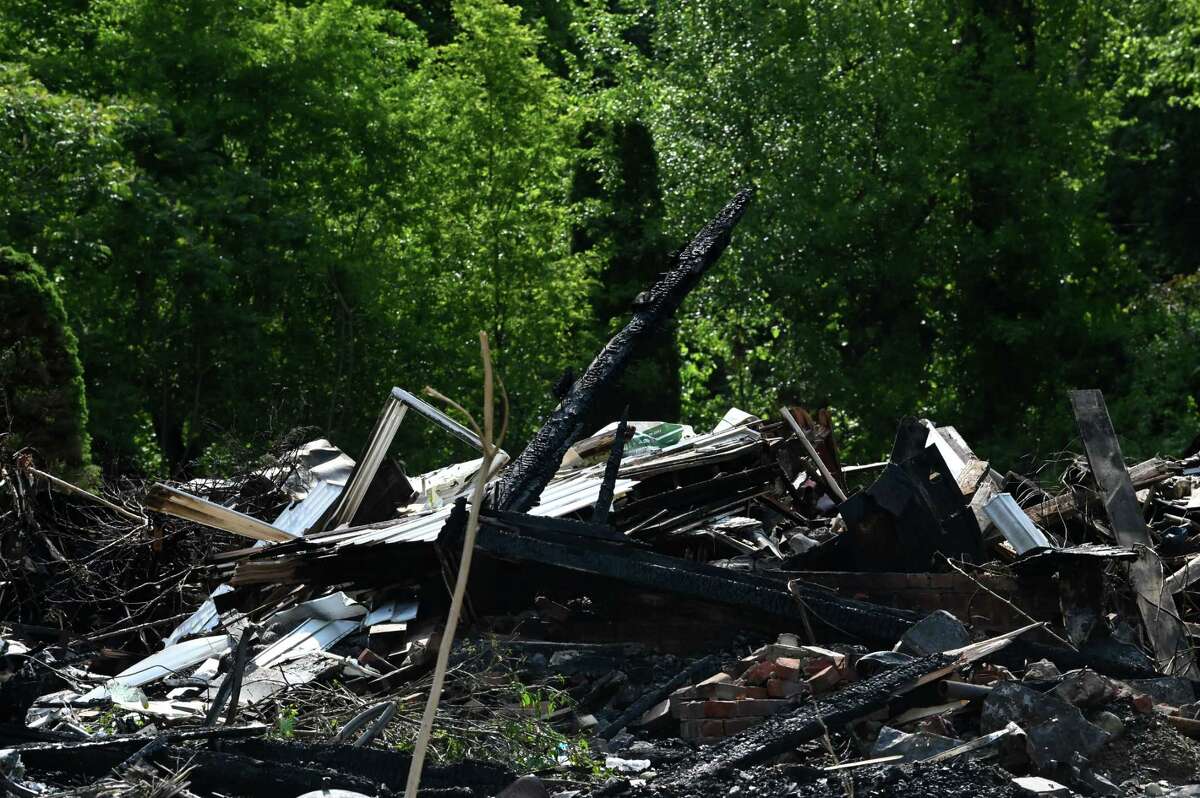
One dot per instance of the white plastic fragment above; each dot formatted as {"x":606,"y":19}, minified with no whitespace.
{"x":626,"y":765}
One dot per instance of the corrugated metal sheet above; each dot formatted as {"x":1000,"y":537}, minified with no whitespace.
{"x":300,"y":515}
{"x":571,"y":495}
{"x":571,"y":491}
{"x":561,"y":497}
{"x":311,"y":636}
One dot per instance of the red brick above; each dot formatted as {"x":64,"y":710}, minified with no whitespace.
{"x":785,"y":688}
{"x":717,"y":678}
{"x":759,"y":672}
{"x":787,"y":668}
{"x":826,"y":680}
{"x":735,"y":725}
{"x":762,"y":707}
{"x":757,"y":692}
{"x":815,"y":666}
{"x":1143,"y":703}
{"x":723,"y":690}
{"x":688,"y":710}
{"x":712,"y":728}
{"x":836,"y":658}
{"x":721,"y":709}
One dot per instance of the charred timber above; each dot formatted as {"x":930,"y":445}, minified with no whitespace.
{"x":608,"y":488}
{"x":523,"y":482}
{"x":707,"y":665}
{"x":838,"y":618}
{"x":531,"y":539}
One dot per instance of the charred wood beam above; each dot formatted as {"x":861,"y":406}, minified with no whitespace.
{"x":566,"y":526}
{"x":1157,"y":606}
{"x":119,"y":747}
{"x":838,"y":617}
{"x":268,"y":768}
{"x":231,"y":687}
{"x":609,"y":486}
{"x":529,"y":474}
{"x":835,"y":617}
{"x":377,"y":765}
{"x":707,"y":665}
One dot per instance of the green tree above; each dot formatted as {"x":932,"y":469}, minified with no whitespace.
{"x":926,"y":237}
{"x":488,"y":242}
{"x":265,"y":213}
{"x":41,"y":380}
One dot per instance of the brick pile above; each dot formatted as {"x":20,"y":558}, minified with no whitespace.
{"x":774,"y":679}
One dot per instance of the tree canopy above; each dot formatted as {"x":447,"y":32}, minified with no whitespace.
{"x":262,"y":214}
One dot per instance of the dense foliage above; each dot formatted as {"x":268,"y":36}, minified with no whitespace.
{"x":41,"y":379}
{"x":262,"y":214}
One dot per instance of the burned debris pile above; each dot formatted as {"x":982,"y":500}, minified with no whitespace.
{"x":652,"y":609}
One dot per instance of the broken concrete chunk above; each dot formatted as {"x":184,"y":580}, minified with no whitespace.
{"x":936,"y":632}
{"x":1012,"y":701}
{"x":1110,"y":723}
{"x":1058,"y":738}
{"x":1086,"y":780}
{"x":1041,"y":671}
{"x":913,"y":747}
{"x":1086,"y":688}
{"x":1054,"y":729}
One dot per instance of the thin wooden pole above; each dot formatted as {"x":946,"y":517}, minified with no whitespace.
{"x":490,"y":448}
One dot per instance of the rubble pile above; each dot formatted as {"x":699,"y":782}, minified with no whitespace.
{"x":652,"y":609}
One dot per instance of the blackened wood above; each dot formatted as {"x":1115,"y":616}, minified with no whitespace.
{"x":840,"y":618}
{"x":709,"y":665}
{"x":149,"y":749}
{"x":1156,"y":605}
{"x":913,"y":513}
{"x":609,"y":487}
{"x":567,"y":526}
{"x":380,"y":766}
{"x":529,"y":474}
{"x":122,"y":745}
{"x":239,"y":671}
{"x":232,"y":684}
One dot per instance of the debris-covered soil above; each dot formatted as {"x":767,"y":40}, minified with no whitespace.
{"x":652,"y":610}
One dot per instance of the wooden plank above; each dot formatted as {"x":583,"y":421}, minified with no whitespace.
{"x":174,"y":502}
{"x":830,"y":482}
{"x":1156,"y":605}
{"x":1066,"y":505}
